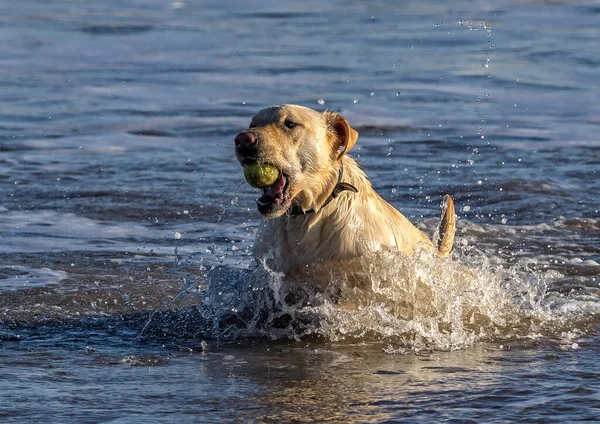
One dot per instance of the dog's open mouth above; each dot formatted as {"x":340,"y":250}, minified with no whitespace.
{"x":274,"y":197}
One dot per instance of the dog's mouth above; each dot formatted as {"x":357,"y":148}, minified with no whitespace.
{"x":275,"y":197}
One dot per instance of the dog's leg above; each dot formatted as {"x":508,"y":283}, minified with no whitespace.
{"x":447,"y":227}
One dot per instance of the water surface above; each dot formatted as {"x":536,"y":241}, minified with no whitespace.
{"x":120,"y":199}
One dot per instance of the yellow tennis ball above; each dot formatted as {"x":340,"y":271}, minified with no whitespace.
{"x":260,"y":175}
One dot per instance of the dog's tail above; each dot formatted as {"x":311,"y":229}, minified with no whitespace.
{"x":447,"y":227}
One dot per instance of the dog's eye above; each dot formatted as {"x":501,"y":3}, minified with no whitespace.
{"x":289,"y":124}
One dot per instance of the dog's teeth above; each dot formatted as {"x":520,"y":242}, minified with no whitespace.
{"x":261,"y":203}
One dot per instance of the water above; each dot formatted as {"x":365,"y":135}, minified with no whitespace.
{"x":127,"y":290}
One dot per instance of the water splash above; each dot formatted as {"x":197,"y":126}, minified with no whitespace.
{"x":417,"y":303}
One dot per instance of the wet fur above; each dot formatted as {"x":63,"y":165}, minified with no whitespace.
{"x":352,"y":225}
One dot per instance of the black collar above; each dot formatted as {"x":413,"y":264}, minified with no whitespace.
{"x":339,"y":187}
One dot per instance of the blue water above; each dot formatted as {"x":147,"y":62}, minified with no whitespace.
{"x":126,"y":227}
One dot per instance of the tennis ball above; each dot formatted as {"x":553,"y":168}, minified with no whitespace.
{"x":260,"y":175}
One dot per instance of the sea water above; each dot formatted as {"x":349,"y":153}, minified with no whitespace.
{"x":128,"y":291}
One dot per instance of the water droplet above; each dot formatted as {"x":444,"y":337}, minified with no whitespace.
{"x":466,"y":208}
{"x":355,"y":101}
{"x":177,"y":235}
{"x":321,"y":101}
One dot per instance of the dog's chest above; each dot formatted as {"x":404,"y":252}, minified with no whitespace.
{"x":289,"y":243}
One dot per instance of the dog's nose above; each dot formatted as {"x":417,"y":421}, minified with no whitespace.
{"x":245,"y":139}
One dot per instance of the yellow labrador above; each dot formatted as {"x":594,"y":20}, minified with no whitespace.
{"x":322,"y":207}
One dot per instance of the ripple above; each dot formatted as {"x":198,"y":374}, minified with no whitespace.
{"x":123,"y":29}
{"x":21,"y":277}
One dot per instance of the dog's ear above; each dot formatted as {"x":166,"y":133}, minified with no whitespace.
{"x":343,"y":136}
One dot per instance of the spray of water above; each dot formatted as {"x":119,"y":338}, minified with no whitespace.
{"x":417,"y":303}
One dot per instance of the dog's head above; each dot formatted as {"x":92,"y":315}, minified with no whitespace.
{"x":304,"y":145}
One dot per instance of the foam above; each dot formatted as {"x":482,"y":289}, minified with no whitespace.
{"x":418,"y":303}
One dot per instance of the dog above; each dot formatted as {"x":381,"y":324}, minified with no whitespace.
{"x":322,"y":208}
